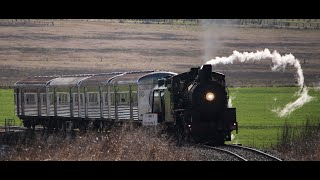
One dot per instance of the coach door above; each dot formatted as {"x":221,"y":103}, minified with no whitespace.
{"x":158,"y":104}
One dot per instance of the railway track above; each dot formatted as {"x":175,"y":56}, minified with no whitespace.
{"x":17,"y":129}
{"x":244,"y":153}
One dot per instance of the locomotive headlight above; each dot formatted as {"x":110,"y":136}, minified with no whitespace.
{"x":210,"y":96}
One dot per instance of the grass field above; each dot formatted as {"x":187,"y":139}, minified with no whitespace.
{"x":7,"y":106}
{"x":258,"y":125}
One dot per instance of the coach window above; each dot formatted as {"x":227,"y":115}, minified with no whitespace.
{"x":51,"y":98}
{"x":63,"y":99}
{"x":30,"y":99}
{"x":124,"y":98}
{"x":112,"y":96}
{"x":93,"y":98}
{"x":43,"y":98}
{"x":75,"y":97}
{"x":134,"y":97}
{"x":105,"y":98}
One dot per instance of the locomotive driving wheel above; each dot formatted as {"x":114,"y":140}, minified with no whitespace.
{"x":182,"y":134}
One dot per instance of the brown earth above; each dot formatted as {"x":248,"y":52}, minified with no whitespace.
{"x":74,"y":46}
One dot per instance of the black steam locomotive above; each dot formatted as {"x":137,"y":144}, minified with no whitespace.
{"x":197,"y":104}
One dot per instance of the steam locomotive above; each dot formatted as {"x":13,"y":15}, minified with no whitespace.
{"x":197,"y":103}
{"x":194,"y":104}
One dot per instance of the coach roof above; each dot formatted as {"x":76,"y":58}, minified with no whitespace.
{"x":113,"y":78}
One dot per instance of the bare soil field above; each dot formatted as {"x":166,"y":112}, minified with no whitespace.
{"x":78,"y":47}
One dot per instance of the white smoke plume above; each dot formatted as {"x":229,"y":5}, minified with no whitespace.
{"x":230,"y":101}
{"x":233,"y":137}
{"x":279,"y":62}
{"x":231,"y":98}
{"x":303,"y":98}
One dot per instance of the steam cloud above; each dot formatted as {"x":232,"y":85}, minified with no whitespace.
{"x":279,"y":63}
{"x":211,"y":37}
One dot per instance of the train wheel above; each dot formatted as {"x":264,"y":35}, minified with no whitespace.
{"x":179,"y":137}
{"x":82,"y":126}
{"x":33,"y":124}
{"x":181,"y":134}
{"x":27,"y":124}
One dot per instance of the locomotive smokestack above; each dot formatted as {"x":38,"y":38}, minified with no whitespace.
{"x":205,"y":73}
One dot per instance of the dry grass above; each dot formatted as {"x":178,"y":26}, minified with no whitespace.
{"x":303,"y":143}
{"x":121,"y":144}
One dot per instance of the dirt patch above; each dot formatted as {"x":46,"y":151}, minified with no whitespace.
{"x":74,"y":46}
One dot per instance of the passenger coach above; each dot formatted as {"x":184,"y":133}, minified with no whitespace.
{"x":74,"y":101}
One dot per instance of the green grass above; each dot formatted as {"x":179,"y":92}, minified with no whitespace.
{"x":7,"y":106}
{"x":258,"y":124}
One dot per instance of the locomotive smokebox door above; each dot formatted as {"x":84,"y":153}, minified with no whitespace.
{"x":150,"y":119}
